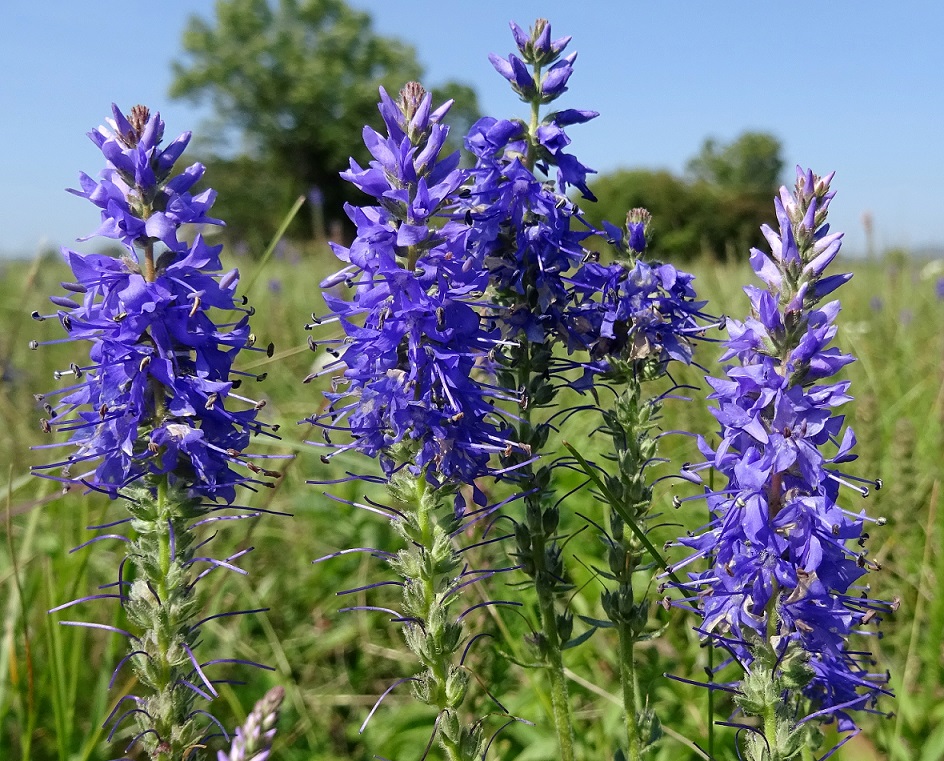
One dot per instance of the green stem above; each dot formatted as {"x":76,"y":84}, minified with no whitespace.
{"x":533,"y":123}
{"x":627,"y":640}
{"x":544,"y":584}
{"x":150,"y":272}
{"x":429,"y":567}
{"x":560,"y":700}
{"x":770,"y":730}
{"x":161,"y":607}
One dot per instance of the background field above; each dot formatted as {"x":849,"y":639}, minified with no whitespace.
{"x":54,"y":680}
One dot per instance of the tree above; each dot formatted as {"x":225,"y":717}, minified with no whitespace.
{"x":750,"y":164}
{"x":298,"y":79}
{"x":688,"y":218}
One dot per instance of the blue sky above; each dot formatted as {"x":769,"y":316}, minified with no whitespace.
{"x":848,"y":85}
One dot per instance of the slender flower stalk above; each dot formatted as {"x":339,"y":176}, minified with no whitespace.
{"x":153,"y":414}
{"x":522,"y":234}
{"x":408,"y":393}
{"x":636,"y":317}
{"x":783,"y":594}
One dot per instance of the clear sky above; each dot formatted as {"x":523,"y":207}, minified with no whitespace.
{"x":850,"y":85}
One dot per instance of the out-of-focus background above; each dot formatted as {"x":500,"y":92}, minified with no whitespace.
{"x":851,"y":87}
{"x":704,"y":111}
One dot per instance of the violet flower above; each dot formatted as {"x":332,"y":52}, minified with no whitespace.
{"x":154,"y":417}
{"x":157,"y":396}
{"x":414,"y":342}
{"x":413,"y":335}
{"x":783,"y":593}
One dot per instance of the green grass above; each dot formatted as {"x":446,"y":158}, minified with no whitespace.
{"x":54,"y":680}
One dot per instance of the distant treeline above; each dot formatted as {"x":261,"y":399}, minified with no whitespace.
{"x":716,"y":209}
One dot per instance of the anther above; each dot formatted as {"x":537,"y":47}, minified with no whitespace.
{"x":34,"y":345}
{"x":270,"y":349}
{"x":37,"y":316}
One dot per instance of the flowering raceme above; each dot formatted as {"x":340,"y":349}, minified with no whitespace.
{"x":149,"y":417}
{"x":414,"y":338}
{"x":413,"y":334}
{"x":781,"y":568}
{"x":153,"y":398}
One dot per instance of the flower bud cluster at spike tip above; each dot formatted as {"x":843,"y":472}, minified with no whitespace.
{"x":412,"y":337}
{"x":154,"y":396}
{"x":521,"y":224}
{"x":779,"y":542}
{"x":538,"y":51}
{"x":138,"y":198}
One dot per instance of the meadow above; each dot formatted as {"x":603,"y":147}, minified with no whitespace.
{"x":54,"y":680}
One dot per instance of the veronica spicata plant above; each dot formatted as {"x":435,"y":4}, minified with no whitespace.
{"x":617,"y":322}
{"x":522,"y":234}
{"x":782,"y":593}
{"x":408,"y":394}
{"x":638,"y":318}
{"x":153,"y":416}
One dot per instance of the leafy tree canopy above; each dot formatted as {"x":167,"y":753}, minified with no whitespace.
{"x":299,"y":80}
{"x":716,"y":210}
{"x":750,"y":164}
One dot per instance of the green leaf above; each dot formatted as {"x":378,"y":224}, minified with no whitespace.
{"x":579,"y":640}
{"x":623,"y":513}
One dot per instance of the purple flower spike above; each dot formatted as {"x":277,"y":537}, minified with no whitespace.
{"x":781,"y":551}
{"x":140,"y":203}
{"x":158,"y":394}
{"x":413,"y":337}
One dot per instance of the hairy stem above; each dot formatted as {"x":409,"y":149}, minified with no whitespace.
{"x":545,"y":582}
{"x":627,"y":640}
